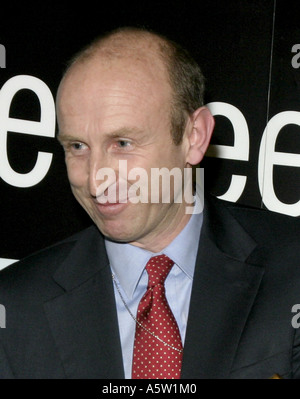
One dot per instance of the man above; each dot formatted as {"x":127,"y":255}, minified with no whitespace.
{"x":90,"y":306}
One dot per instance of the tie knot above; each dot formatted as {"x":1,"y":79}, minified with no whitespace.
{"x":158,"y":268}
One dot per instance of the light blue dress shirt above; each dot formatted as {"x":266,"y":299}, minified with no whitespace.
{"x":128,"y":267}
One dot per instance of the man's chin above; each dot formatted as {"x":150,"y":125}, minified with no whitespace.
{"x":113,"y":231}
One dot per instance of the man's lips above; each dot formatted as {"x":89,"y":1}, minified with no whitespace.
{"x":119,"y":198}
{"x":110,"y":208}
{"x":110,"y":203}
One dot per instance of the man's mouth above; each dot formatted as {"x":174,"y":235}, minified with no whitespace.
{"x":110,"y":208}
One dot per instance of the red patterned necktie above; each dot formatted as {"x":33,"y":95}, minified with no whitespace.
{"x":157,"y":350}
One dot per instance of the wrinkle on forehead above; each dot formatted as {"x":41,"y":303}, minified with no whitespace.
{"x":135,"y":66}
{"x":123,"y":79}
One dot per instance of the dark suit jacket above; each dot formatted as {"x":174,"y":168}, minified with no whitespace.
{"x":61,"y":320}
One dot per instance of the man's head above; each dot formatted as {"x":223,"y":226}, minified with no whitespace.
{"x":183,"y":72}
{"x":132,"y":96}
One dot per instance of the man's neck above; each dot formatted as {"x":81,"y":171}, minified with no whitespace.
{"x":157,"y":241}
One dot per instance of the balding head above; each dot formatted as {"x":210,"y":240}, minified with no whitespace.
{"x":123,"y":43}
{"x":139,"y":46}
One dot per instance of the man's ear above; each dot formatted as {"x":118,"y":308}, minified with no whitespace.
{"x":199,"y":134}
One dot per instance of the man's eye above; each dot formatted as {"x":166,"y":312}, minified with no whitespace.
{"x":78,"y":146}
{"x":123,"y":143}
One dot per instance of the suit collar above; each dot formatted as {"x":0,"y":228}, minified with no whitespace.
{"x":87,"y":257}
{"x":224,"y":289}
{"x":84,"y":319}
{"x":224,"y":230}
{"x":218,"y":225}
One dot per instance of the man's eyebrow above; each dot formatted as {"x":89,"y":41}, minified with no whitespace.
{"x":62,"y":137}
{"x":126,"y":131}
{"x":122,"y":132}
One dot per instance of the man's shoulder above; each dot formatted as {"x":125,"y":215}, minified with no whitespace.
{"x":265,"y":221}
{"x":260,"y":238}
{"x":43,"y":262}
{"x":251,"y":214}
{"x":270,"y":229}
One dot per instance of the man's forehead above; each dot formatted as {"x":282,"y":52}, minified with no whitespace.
{"x":137,"y":62}
{"x":139,"y":74}
{"x":128,"y":50}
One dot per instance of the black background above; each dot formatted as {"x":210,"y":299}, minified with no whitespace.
{"x":246,"y":64}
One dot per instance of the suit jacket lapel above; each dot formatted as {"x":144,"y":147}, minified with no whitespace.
{"x":223,"y":292}
{"x":83,"y":320}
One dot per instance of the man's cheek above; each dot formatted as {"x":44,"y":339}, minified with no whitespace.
{"x":76,"y":175}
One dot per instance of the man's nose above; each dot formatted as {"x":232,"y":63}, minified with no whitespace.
{"x":101,"y":169}
{"x":96,"y":162}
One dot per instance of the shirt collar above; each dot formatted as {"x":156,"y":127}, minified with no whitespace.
{"x":128,"y":261}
